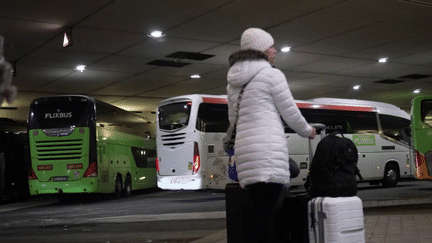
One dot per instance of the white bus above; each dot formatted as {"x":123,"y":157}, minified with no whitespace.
{"x":190,"y":129}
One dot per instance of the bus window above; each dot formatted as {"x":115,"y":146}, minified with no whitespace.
{"x":395,"y":127}
{"x":114,"y":119}
{"x":338,"y":120}
{"x":421,"y":121}
{"x":174,"y":116}
{"x":426,"y":112}
{"x":212,"y":118}
{"x":144,"y":158}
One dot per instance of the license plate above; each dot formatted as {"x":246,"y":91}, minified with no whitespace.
{"x":60,"y":178}
{"x":181,"y":180}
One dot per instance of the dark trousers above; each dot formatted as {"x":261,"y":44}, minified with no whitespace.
{"x":264,"y":201}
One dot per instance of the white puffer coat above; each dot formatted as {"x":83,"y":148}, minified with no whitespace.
{"x":261,"y":151}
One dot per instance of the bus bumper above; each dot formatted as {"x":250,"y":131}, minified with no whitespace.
{"x":180,"y":182}
{"x":85,"y":185}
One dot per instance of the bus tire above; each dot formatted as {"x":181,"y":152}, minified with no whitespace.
{"x":118,"y":187}
{"x":391,"y":175}
{"x":127,"y":192}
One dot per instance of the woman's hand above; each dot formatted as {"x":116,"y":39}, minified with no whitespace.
{"x":313,"y":133}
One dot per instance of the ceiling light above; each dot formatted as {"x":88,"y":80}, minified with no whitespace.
{"x":67,"y":38}
{"x":382,"y":60}
{"x":417,"y":91}
{"x":157,"y":34}
{"x":80,"y":68}
{"x":356,"y":87}
{"x":195,"y":76}
{"x":286,"y":49}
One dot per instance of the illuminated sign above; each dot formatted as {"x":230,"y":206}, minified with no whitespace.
{"x":364,"y":140}
{"x":58,"y":115}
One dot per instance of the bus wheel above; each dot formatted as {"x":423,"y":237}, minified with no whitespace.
{"x":127,"y":192}
{"x":118,"y":187}
{"x":391,"y":176}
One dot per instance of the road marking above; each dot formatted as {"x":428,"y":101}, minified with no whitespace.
{"x":28,"y":204}
{"x":118,"y":219}
{"x":160,"y":217}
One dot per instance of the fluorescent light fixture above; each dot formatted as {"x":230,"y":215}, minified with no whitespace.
{"x":383,"y":60}
{"x":157,"y":34}
{"x":417,"y":91}
{"x":286,"y":49}
{"x":356,"y":87}
{"x":80,"y":68}
{"x":67,"y":38}
{"x":195,"y":76}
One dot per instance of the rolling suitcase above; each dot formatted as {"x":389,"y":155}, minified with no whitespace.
{"x":295,"y":207}
{"x":239,"y":214}
{"x":336,"y":219}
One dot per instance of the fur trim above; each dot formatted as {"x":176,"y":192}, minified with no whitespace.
{"x":246,"y":55}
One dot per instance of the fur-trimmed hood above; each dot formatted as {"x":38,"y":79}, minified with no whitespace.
{"x":246,"y":55}
{"x":245,"y":65}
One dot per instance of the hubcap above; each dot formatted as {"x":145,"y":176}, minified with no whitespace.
{"x":128,"y":188}
{"x":391,"y":175}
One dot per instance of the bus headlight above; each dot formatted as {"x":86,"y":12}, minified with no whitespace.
{"x":35,"y":132}
{"x":81,"y":130}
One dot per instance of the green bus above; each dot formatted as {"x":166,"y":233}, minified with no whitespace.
{"x":421,"y":127}
{"x":82,"y":145}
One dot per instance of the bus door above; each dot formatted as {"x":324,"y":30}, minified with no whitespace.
{"x":212,"y":123}
{"x":421,"y":126}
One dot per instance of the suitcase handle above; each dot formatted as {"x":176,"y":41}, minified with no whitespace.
{"x":319,"y":127}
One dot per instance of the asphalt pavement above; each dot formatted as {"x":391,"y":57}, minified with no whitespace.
{"x":385,"y":220}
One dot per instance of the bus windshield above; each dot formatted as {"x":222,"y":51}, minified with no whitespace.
{"x":174,"y":116}
{"x":60,"y":112}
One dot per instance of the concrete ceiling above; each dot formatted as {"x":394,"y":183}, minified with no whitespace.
{"x":335,"y":44}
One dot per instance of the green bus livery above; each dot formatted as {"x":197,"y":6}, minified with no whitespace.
{"x":82,"y":145}
{"x":421,"y":127}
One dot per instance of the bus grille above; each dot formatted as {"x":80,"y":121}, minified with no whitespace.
{"x":59,"y":149}
{"x":104,"y":176}
{"x":174,"y":139}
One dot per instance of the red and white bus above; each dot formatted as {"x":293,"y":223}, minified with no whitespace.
{"x":190,"y":130}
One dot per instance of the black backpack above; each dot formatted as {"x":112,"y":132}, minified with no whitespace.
{"x":333,"y":170}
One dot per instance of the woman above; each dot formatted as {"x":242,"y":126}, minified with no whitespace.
{"x":261,"y":147}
